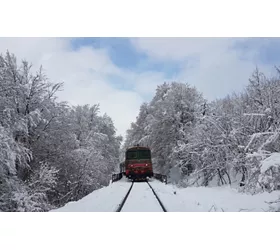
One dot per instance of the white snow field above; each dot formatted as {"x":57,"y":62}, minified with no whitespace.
{"x":192,"y":199}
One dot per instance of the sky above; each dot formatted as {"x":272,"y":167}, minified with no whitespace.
{"x":122,"y":73}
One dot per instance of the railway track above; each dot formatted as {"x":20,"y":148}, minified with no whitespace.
{"x":158,"y":201}
{"x":125,"y":198}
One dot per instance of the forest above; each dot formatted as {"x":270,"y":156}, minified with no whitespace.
{"x":229,"y":141}
{"x":53,"y":152}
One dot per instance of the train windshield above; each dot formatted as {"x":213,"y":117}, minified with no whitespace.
{"x":144,"y":154}
{"x":131,"y":155}
{"x":140,"y":154}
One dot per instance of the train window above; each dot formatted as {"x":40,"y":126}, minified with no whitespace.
{"x":131,"y":154}
{"x":144,"y":154}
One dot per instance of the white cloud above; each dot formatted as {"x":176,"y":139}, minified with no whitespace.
{"x":178,"y":48}
{"x":210,"y":64}
{"x":145,"y":83}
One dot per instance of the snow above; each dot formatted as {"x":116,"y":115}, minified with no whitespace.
{"x":256,"y":136}
{"x":268,"y":110}
{"x":253,"y":114}
{"x":204,"y":199}
{"x":106,"y":199}
{"x":191,"y":199}
{"x":141,"y":199}
{"x":271,"y":161}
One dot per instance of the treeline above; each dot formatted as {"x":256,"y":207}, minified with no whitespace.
{"x":50,"y":152}
{"x":234,"y":140}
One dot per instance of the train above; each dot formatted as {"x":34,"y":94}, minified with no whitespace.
{"x":138,"y":163}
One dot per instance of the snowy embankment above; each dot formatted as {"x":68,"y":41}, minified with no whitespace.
{"x":105,"y":199}
{"x":203,"y":199}
{"x":192,"y":199}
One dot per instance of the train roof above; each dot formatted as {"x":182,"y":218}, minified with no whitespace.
{"x":137,"y":147}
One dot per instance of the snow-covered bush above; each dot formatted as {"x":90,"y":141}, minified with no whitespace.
{"x":269,"y":178}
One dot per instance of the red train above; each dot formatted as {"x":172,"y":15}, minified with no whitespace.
{"x":138,"y":163}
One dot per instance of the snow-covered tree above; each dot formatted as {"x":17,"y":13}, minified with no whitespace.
{"x":51,"y":153}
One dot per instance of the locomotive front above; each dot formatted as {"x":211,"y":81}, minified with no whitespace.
{"x":138,"y":163}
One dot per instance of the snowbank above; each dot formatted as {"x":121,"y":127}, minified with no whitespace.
{"x":203,"y":199}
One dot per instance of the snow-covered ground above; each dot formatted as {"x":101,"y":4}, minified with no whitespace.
{"x":192,"y":199}
{"x":106,"y":199}
{"x":203,"y":199}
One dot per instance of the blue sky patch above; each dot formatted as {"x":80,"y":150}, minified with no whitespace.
{"x":124,"y":55}
{"x":264,"y":50}
{"x":120,"y":50}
